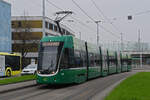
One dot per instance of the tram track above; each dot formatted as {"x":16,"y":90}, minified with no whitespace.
{"x":84,"y":91}
{"x":17,"y":92}
{"x":93,"y":88}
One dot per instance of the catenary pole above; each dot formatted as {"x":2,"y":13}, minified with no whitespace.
{"x":140,"y":47}
{"x":122,"y":46}
{"x":97,"y":23}
{"x":43,"y":26}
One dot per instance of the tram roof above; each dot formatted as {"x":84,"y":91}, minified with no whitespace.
{"x":57,"y":38}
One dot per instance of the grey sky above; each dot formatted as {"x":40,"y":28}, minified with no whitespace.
{"x":118,"y":9}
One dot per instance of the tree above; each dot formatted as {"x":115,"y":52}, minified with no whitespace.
{"x":23,"y":41}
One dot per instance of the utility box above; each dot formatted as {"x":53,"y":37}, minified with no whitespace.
{"x":5,"y":27}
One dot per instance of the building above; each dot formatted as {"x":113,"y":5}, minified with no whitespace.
{"x":27,"y":32}
{"x":5,"y":27}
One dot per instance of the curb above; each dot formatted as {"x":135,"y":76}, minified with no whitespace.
{"x":16,"y":86}
{"x":16,"y":82}
{"x":19,"y":88}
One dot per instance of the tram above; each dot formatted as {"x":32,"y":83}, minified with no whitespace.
{"x":66,"y":59}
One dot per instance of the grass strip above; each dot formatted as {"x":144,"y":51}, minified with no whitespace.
{"x":17,"y":79}
{"x":136,"y":87}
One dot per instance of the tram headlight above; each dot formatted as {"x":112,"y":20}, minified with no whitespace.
{"x":38,"y":72}
{"x":53,"y":72}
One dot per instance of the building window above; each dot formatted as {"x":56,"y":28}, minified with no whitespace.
{"x":63,"y":31}
{"x":46,"y":34}
{"x":19,"y":24}
{"x":46,"y":24}
{"x":12,"y":24}
{"x":50,"y":26}
{"x":55,"y":28}
{"x":67,"y":33}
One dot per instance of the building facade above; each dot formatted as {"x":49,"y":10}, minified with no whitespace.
{"x":27,"y":32}
{"x":5,"y":27}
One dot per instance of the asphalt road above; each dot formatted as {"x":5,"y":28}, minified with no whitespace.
{"x":84,"y":91}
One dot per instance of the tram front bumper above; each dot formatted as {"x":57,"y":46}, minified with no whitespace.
{"x":47,"y":80}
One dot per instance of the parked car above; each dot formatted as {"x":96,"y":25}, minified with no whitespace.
{"x":30,"y":69}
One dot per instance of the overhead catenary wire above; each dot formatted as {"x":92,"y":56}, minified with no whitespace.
{"x":85,"y":25}
{"x":54,"y":5}
{"x":80,"y":22}
{"x":96,"y":6}
{"x":93,"y":19}
{"x":107,"y":19}
{"x":83,"y":11}
{"x":109,"y":32}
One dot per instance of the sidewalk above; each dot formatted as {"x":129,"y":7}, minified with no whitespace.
{"x":21,"y":85}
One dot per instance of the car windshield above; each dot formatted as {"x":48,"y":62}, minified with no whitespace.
{"x":31,"y":67}
{"x":48,"y":57}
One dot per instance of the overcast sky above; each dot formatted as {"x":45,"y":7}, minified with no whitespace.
{"x":116,"y":11}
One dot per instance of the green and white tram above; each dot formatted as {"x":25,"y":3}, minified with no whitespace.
{"x":65,"y":59}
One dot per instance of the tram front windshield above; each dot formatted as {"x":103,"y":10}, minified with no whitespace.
{"x":48,"y":57}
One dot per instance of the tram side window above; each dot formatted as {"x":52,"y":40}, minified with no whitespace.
{"x":78,"y":59}
{"x":64,"y":59}
{"x":84,"y":58}
{"x":81,"y":59}
{"x":129,"y":61}
{"x":105,"y":60}
{"x":71,"y":57}
{"x":67,"y":60}
{"x":124,"y":62}
{"x":92,"y":59}
{"x":112,"y":61}
{"x":97,"y":60}
{"x":13,"y":62}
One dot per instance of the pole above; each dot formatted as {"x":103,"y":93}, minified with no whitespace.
{"x":140,"y":48}
{"x":80,"y":35}
{"x":122,"y":48}
{"x":43,"y":18}
{"x":118,"y":46}
{"x":97,"y":23}
{"x":141,"y":59}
